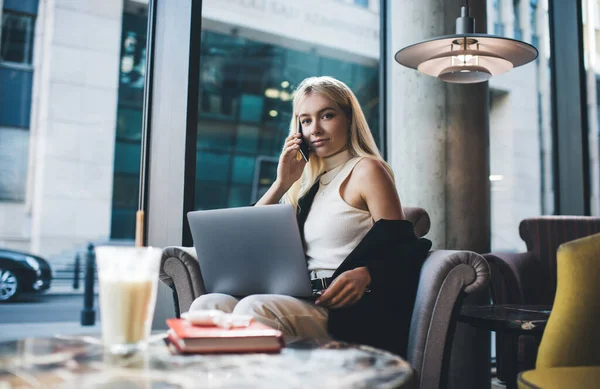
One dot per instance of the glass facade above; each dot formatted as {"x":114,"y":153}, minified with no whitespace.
{"x":245,"y":110}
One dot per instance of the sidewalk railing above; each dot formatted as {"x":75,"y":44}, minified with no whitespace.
{"x":72,"y":273}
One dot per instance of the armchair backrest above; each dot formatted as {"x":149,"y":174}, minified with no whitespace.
{"x":419,"y":218}
{"x":446,"y":278}
{"x":543,"y":235}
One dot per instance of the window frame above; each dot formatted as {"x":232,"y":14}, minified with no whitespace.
{"x":570,"y":143}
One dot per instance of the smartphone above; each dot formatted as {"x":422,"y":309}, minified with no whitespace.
{"x":303,"y":146}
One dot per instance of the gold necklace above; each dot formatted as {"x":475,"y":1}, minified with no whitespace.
{"x":332,"y":178}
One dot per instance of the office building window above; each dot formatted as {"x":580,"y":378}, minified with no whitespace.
{"x":518,"y":32}
{"x":533,"y":20}
{"x":533,"y":14}
{"x":14,"y":144}
{"x":497,"y":17}
{"x":17,"y":37}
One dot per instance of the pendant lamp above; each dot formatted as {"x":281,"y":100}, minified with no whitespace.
{"x":466,"y":57}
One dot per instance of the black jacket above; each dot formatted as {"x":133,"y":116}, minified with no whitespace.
{"x":393,"y":255}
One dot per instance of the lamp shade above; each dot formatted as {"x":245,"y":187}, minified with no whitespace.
{"x":466,"y":57}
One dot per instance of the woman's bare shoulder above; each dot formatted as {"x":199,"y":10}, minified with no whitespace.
{"x":371,"y":169}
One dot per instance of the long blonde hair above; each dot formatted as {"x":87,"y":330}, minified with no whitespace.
{"x":360,"y":143}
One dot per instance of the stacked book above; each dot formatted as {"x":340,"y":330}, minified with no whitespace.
{"x":187,"y":338}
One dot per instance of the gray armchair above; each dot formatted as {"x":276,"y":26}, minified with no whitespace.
{"x":447,"y":277}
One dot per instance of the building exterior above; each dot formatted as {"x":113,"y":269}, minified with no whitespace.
{"x":64,"y":199}
{"x":72,"y":77}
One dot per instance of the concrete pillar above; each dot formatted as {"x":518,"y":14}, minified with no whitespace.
{"x":438,"y":145}
{"x":438,"y":137}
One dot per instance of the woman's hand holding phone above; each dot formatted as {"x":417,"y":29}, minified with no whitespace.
{"x":290,"y":168}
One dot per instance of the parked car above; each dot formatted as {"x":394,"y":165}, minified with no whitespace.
{"x":22,"y":273}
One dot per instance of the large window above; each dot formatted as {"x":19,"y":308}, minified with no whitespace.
{"x":248,"y":75}
{"x":521,"y":134}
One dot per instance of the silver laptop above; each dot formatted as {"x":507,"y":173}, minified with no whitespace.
{"x":251,"y":250}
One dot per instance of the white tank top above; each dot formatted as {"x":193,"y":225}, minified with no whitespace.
{"x":333,"y":228}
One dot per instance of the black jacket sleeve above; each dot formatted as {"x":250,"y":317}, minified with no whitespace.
{"x":391,"y":252}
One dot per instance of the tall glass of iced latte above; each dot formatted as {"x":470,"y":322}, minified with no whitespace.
{"x":128,"y":278}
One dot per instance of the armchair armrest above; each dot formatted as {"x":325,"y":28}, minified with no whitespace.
{"x":179,"y":270}
{"x":517,"y":278}
{"x":446,"y":277}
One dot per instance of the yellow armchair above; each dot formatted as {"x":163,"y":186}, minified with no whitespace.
{"x":569,"y":354}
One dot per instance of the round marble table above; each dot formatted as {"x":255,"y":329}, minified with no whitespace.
{"x":79,"y":362}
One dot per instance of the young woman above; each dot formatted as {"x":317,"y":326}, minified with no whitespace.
{"x":342,"y":194}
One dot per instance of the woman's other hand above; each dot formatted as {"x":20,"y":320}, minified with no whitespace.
{"x":346,"y":289}
{"x":290,"y":168}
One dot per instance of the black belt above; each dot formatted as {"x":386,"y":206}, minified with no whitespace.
{"x":321,"y":283}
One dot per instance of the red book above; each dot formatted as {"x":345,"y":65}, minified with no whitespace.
{"x":257,"y":337}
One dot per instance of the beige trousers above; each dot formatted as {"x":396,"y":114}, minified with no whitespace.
{"x":292,"y":316}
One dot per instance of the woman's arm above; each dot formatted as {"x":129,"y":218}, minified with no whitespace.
{"x":377,"y":190}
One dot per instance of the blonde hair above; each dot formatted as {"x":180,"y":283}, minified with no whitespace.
{"x":360,"y":142}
